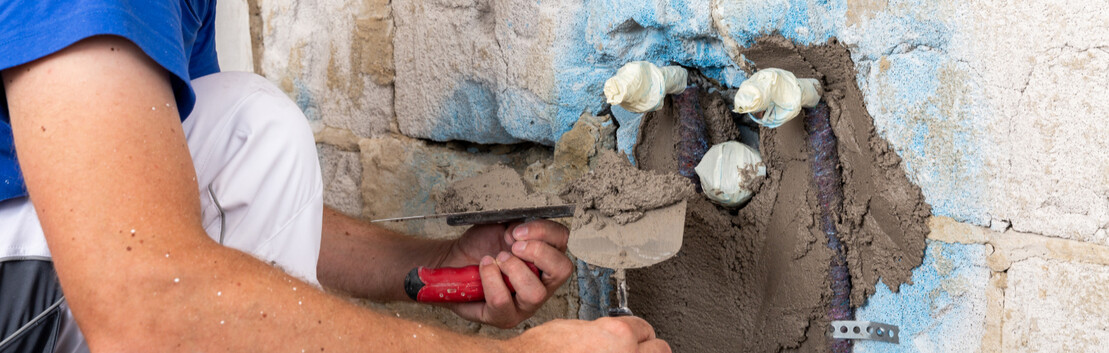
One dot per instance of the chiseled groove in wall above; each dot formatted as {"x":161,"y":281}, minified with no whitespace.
{"x":1006,"y":248}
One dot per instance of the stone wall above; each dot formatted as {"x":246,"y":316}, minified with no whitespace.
{"x":994,"y":107}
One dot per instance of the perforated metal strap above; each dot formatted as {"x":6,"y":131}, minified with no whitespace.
{"x":865,"y":330}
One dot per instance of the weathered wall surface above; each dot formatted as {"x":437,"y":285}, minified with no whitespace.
{"x":995,"y":108}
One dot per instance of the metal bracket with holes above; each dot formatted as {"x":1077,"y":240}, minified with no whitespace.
{"x":865,"y":330}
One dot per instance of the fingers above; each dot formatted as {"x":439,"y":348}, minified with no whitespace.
{"x":499,"y":307}
{"x":508,"y":238}
{"x":654,"y":346}
{"x":625,"y":326}
{"x":555,"y":265}
{"x":530,"y":291}
{"x":543,"y":230}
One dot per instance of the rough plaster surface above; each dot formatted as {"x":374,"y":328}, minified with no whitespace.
{"x":334,"y":58}
{"x":476,"y":70}
{"x":949,"y":306}
{"x":994,"y":107}
{"x":957,"y":87}
{"x":1056,"y":306}
{"x":944,"y":308}
{"x":506,"y":70}
{"x":342,"y":175}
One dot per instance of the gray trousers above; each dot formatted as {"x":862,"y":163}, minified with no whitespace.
{"x":31,"y":306}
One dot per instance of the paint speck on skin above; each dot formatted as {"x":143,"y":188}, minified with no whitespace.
{"x":219,"y":294}
{"x":176,"y":280}
{"x":294,"y":289}
{"x":167,"y":255}
{"x":221,"y":322}
{"x":413,"y":336}
{"x":132,"y":231}
{"x":153,"y":108}
{"x":300,"y":303}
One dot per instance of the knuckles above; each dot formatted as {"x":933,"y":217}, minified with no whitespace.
{"x":615,"y":327}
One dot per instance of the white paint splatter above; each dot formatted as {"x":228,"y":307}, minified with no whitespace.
{"x":219,"y":294}
{"x":221,"y":322}
{"x":176,"y":280}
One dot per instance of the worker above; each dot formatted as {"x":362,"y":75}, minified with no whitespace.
{"x":181,"y":209}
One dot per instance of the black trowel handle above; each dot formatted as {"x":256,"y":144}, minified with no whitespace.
{"x":618,"y":312}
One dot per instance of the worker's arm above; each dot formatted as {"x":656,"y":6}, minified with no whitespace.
{"x":103,"y":156}
{"x":370,"y":261}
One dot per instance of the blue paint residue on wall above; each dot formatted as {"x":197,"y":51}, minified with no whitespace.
{"x":628,"y":131}
{"x":525,"y":116}
{"x":461,"y":115}
{"x":305,"y":102}
{"x":801,"y":21}
{"x":605,"y":34}
{"x":926,"y":105}
{"x":943,"y":310}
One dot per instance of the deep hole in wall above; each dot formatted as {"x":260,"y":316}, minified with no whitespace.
{"x":755,"y":279}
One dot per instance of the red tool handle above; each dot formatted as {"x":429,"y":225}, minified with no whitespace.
{"x":450,"y":284}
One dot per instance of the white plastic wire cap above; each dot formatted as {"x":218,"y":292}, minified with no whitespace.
{"x":727,"y":170}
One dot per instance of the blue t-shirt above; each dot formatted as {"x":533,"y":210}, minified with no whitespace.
{"x":178,"y":35}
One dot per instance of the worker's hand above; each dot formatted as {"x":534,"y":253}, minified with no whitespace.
{"x":504,"y":249}
{"x":626,"y":334}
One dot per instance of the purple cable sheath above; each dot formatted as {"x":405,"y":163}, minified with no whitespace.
{"x":829,"y":193}
{"x":692,"y":136}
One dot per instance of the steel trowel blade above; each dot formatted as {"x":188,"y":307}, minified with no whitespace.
{"x":647,"y":241}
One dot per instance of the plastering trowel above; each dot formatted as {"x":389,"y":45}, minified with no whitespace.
{"x":463,"y":284}
{"x":601,"y":241}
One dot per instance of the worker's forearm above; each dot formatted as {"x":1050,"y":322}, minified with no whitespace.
{"x":369,"y":261}
{"x":114,"y":187}
{"x":207,"y":297}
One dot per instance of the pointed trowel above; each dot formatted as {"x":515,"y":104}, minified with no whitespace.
{"x":601,"y":241}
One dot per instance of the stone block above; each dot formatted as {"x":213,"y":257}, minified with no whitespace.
{"x":334,"y":58}
{"x":342,"y":174}
{"x":1056,"y":306}
{"x":404,"y":176}
{"x":502,"y":71}
{"x":1056,"y":160}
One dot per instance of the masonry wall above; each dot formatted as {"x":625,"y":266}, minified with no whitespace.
{"x":995,"y":107}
